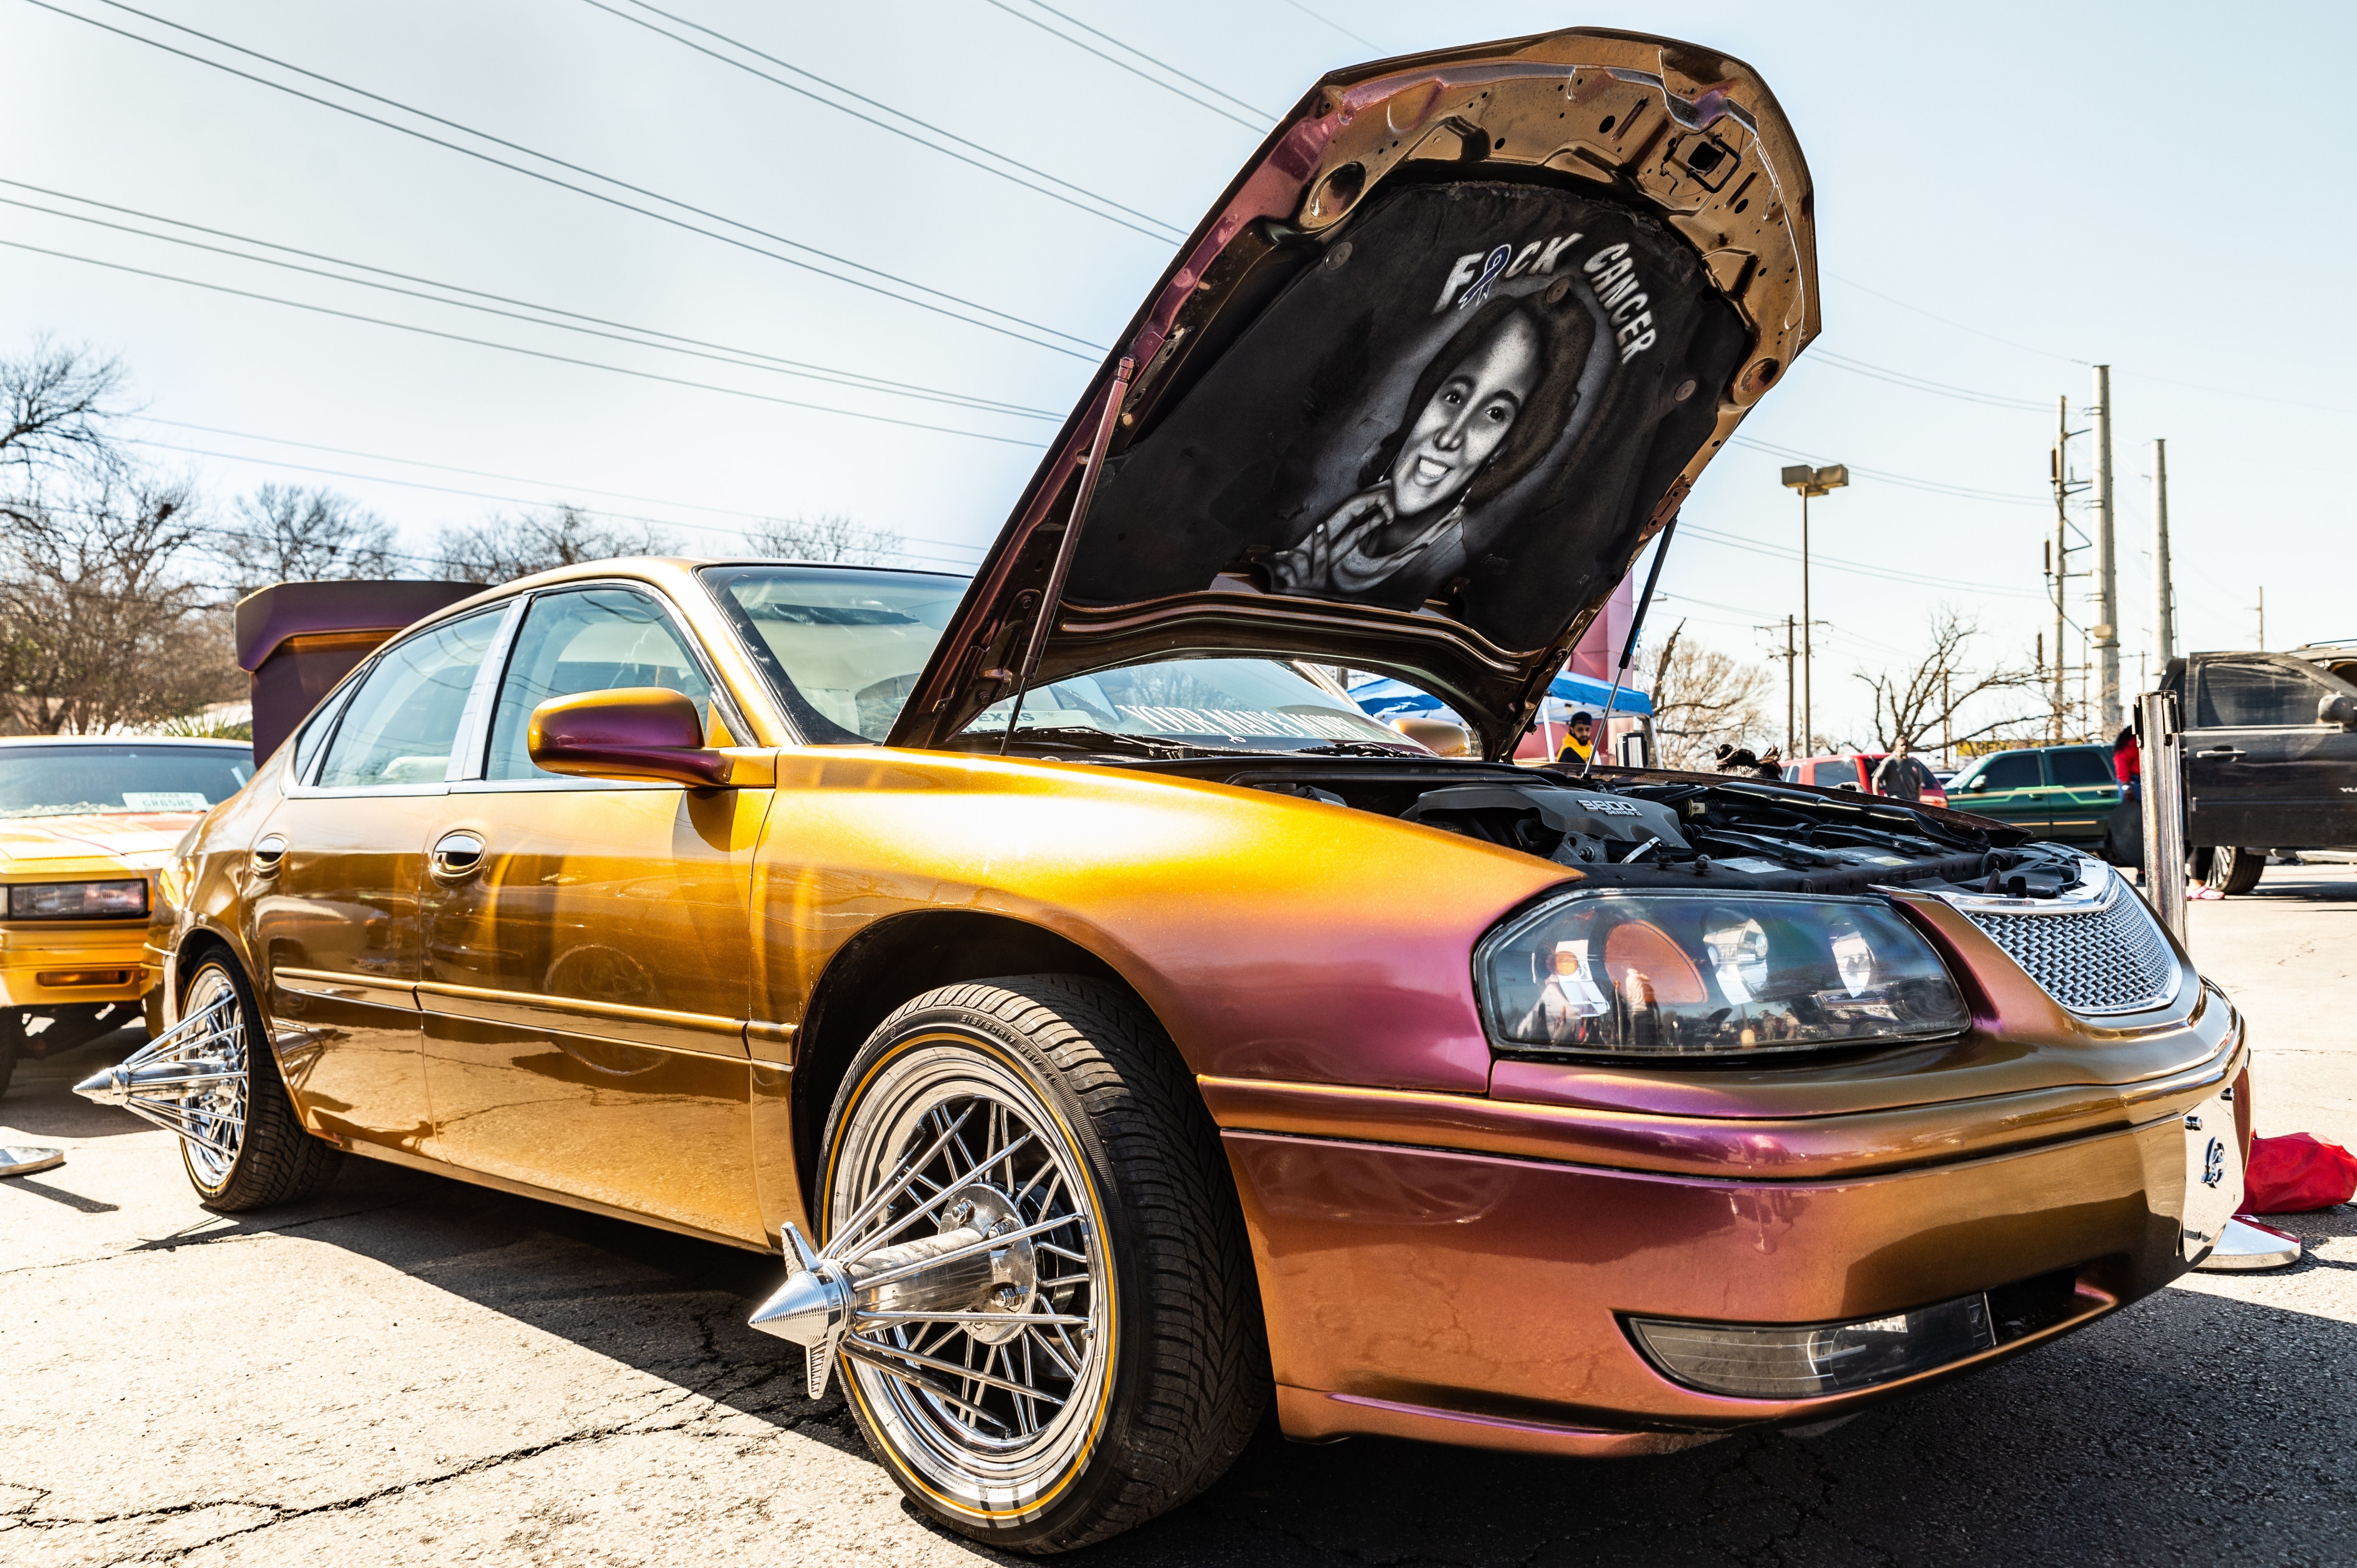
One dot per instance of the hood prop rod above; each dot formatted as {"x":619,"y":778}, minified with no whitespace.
{"x":1036,"y":643}
{"x":1628,"y":649}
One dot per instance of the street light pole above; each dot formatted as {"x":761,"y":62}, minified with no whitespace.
{"x":1810,"y":482}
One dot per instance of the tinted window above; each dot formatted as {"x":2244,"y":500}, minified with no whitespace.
{"x":400,"y":726}
{"x":1833,"y":774}
{"x":78,"y":780}
{"x":2081,"y":769}
{"x":2234,"y":693}
{"x":842,"y":648}
{"x":592,"y":639}
{"x":2012,"y":770}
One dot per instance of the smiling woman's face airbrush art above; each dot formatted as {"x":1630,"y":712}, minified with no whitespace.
{"x":1467,"y":419}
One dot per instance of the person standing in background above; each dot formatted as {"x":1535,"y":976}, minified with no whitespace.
{"x":1578,"y":739}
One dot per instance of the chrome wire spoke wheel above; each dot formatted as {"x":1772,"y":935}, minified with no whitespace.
{"x":195,"y":1079}
{"x":982,"y":1334}
{"x":210,"y":1111}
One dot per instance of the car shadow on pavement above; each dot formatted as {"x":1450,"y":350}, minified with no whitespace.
{"x":2199,"y":1423}
{"x":2187,"y":1423}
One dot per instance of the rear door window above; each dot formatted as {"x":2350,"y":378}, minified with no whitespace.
{"x":400,"y":726}
{"x":2081,"y":769}
{"x":2254,"y":693}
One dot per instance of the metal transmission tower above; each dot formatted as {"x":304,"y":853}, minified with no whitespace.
{"x":1810,"y":482}
{"x":2108,"y":573}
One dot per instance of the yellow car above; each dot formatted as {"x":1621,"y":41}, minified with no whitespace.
{"x":1117,"y":1032}
{"x":85,"y":822}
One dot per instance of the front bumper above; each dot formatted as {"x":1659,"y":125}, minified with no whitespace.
{"x":1480,"y":1298}
{"x":68,"y":963}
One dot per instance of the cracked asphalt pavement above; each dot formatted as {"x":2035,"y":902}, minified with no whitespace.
{"x":409,"y":1369}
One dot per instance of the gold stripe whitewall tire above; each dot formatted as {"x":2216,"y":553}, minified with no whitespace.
{"x":1106,"y":1362}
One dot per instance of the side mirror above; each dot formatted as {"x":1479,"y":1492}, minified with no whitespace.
{"x":1969,"y":787}
{"x":2338,"y":709}
{"x":1437,"y":735}
{"x":639,"y":733}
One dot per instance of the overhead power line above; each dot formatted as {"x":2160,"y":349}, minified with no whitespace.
{"x":519,"y":348}
{"x":1913,"y":382}
{"x":1935,"y":486}
{"x":1256,"y":126}
{"x":1318,"y":17}
{"x":747,"y":358}
{"x":735,"y":533}
{"x":1070,"y":195}
{"x":1889,"y":573}
{"x":941,"y":302}
{"x":553,"y":486}
{"x":2119,"y":372}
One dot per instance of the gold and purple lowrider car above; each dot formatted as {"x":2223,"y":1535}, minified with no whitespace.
{"x":1117,"y":1031}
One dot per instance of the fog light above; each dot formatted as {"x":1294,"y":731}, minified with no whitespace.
{"x":1828,"y":1359}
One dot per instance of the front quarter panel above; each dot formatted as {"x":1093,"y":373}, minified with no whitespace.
{"x":1271,"y":936}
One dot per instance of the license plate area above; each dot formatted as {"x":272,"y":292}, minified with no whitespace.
{"x":2213,"y":1176}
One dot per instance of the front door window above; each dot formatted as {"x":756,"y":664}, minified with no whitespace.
{"x":594,"y":640}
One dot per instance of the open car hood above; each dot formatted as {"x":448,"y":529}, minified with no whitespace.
{"x":1454,"y":344}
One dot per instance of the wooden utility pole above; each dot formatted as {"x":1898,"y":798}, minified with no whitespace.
{"x":1791,"y":653}
{"x":2164,"y":601}
{"x":2057,"y":564}
{"x":2107,"y":579}
{"x":2263,"y":618}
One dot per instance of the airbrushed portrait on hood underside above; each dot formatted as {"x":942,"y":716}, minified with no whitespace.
{"x":1472,"y":399}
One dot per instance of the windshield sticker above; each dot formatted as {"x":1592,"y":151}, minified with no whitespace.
{"x":165,"y":800}
{"x":1467,"y":400}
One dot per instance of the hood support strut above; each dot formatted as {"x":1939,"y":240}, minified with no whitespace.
{"x":1628,"y":649}
{"x":1054,"y":595}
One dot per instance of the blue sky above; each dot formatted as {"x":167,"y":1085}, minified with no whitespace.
{"x":2005,"y":195}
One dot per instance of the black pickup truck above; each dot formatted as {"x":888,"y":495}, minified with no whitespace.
{"x":2270,"y":749}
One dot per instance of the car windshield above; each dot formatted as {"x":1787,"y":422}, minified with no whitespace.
{"x":841,"y":647}
{"x":1226,"y":704}
{"x":118,"y":778}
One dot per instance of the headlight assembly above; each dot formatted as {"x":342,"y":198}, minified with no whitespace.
{"x":76,"y":900}
{"x":1696,"y":974}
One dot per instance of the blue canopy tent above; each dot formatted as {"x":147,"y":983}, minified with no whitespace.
{"x":1568,"y":693}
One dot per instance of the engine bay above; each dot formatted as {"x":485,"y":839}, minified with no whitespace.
{"x":1644,"y":829}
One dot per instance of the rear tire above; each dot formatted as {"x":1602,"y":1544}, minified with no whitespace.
{"x":2233,"y":870}
{"x":1167,"y":1367}
{"x":250,"y":1151}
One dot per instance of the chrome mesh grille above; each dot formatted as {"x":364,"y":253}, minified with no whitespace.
{"x":2112,"y":960}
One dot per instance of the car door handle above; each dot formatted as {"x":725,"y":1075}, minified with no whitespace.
{"x":456,"y":857}
{"x":2216,"y":751}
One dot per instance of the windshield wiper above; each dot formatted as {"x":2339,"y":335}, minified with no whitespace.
{"x":1086,"y":737}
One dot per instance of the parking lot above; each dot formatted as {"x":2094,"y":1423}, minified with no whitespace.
{"x":412,"y":1370}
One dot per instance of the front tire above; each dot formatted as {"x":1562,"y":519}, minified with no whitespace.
{"x":1145,"y":1373}
{"x":240,"y":1143}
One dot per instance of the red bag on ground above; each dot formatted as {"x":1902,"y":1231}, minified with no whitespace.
{"x":2296,"y":1173}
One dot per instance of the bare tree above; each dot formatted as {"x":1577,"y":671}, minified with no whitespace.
{"x":291,"y":533}
{"x":99,"y":627}
{"x":56,"y":405}
{"x":1923,"y":704}
{"x":509,"y":545}
{"x":1703,"y":699}
{"x":830,"y":536}
{"x":99,"y":623}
